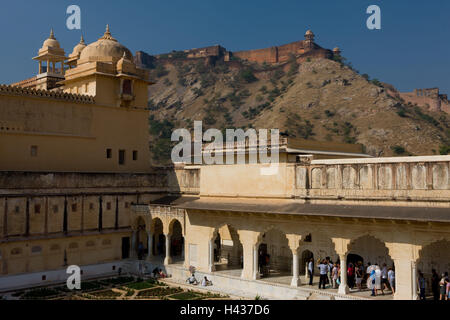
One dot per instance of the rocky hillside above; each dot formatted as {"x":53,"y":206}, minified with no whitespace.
{"x":317,"y":99}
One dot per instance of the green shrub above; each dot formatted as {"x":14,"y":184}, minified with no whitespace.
{"x":263,"y":89}
{"x":40,"y":293}
{"x":426,"y":117}
{"x":329,"y":113}
{"x":106,"y":294}
{"x":444,"y":149}
{"x":278,"y":74}
{"x":141,"y":285}
{"x":376,"y":82}
{"x":398,"y":150}
{"x":188,"y":295}
{"x":402,"y":113}
{"x":159,"y":292}
{"x":247,"y":75}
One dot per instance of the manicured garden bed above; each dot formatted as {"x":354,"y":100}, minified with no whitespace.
{"x":187,"y":295}
{"x":106,"y":294}
{"x":117,"y":281}
{"x":91,"y":286}
{"x":142,"y":285}
{"x":41,"y":293}
{"x":159,"y":292}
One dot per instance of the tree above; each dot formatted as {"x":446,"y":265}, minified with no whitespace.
{"x":247,"y":75}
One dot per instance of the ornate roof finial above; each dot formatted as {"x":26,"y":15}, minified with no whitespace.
{"x":107,"y":35}
{"x":52,"y":35}
{"x":82,"y":40}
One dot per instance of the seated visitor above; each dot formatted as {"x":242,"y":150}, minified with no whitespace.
{"x":192,"y":280}
{"x":162,"y":274}
{"x":206,"y":282}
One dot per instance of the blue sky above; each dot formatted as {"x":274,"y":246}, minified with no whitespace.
{"x":411,"y":50}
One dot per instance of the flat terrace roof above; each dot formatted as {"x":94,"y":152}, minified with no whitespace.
{"x":294,"y":207}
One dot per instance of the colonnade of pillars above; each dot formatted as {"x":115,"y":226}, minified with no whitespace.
{"x":51,"y":67}
{"x":167,"y":259}
{"x":406,"y":270}
{"x":296,"y":281}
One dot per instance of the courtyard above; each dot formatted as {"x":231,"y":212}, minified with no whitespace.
{"x":116,"y":288}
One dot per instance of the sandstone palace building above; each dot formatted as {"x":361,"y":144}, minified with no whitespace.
{"x":76,"y":188}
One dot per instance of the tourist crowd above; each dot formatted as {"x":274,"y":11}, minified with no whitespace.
{"x":377,"y":279}
{"x":372,"y":276}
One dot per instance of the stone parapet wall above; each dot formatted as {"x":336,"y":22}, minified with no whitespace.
{"x":423,"y":179}
{"x":19,"y":182}
{"x":18,"y":91}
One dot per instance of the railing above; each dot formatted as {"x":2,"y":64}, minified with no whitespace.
{"x":406,"y":178}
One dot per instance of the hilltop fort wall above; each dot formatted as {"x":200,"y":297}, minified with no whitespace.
{"x":426,"y":98}
{"x":276,"y":54}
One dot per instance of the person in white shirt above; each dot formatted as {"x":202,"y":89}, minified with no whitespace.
{"x":192,"y":280}
{"x":206,"y":282}
{"x":323,"y":267}
{"x":391,"y":278}
{"x":334,"y":275}
{"x":378,"y":279}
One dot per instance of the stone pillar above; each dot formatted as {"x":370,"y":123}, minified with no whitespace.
{"x":211,"y":266}
{"x":133,"y":245}
{"x":256,"y":274}
{"x":62,"y":68}
{"x":48,"y":66}
{"x":40,"y":67}
{"x":414,"y":295}
{"x":343,"y":287}
{"x":149,"y":245}
{"x":404,"y":258}
{"x":249,"y":240}
{"x":168,"y":258}
{"x":295,"y":270}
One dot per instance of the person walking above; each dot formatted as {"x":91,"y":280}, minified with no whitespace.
{"x":421,"y":284}
{"x":330,"y":270}
{"x":323,"y":267}
{"x":443,"y":286}
{"x":335,"y":275}
{"x":311,"y":271}
{"x":350,"y":275}
{"x":384,"y":278}
{"x":358,"y":277}
{"x":378,"y":279}
{"x":371,"y":281}
{"x":435,"y":284}
{"x":391,"y":278}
